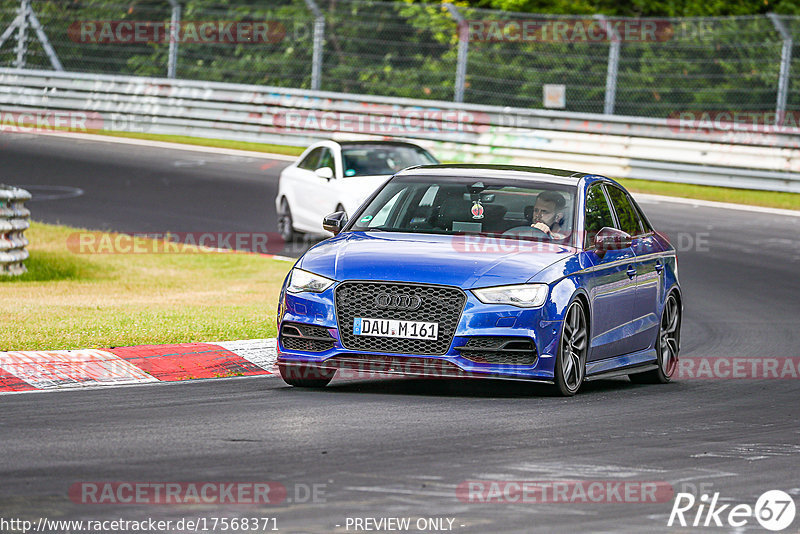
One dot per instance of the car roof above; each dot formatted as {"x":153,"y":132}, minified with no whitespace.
{"x":372,"y":142}
{"x":538,"y":174}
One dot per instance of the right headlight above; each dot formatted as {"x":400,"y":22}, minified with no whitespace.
{"x":301,"y":281}
{"x":522,"y":295}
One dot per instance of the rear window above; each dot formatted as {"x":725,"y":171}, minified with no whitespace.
{"x":366,"y":160}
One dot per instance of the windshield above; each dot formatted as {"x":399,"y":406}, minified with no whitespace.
{"x":445,"y":205}
{"x":365,"y":160}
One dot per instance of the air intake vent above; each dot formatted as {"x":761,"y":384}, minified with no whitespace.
{"x":305,"y":337}
{"x":500,"y":350}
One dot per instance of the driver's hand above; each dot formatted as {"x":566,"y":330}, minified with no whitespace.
{"x":541,"y":227}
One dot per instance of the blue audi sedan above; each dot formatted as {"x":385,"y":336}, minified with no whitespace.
{"x":486,"y":271}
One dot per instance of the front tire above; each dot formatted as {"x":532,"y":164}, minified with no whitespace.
{"x":306,"y":376}
{"x":570,"y":369}
{"x":667,"y":345}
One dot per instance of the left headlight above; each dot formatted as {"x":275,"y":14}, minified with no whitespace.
{"x":523,"y":295}
{"x":303,"y":281}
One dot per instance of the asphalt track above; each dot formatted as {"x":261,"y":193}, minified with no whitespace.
{"x":401,"y":447}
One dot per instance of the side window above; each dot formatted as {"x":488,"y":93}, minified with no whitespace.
{"x":429,"y":196}
{"x":598,"y":214}
{"x":310,"y":161}
{"x":422,"y":212}
{"x":326,"y":160}
{"x":383,"y":215}
{"x":642,"y":219}
{"x":628,"y":218}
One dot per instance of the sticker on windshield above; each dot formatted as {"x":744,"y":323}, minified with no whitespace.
{"x":350,"y":172}
{"x":366,"y":218}
{"x":477,"y":210}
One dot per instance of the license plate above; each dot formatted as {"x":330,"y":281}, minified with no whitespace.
{"x":364,"y":326}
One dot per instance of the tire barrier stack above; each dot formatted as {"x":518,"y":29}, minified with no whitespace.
{"x":14,"y":220}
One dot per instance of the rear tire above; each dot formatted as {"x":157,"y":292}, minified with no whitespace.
{"x":286,"y":222}
{"x":570,"y":369}
{"x":306,"y":376}
{"x":667,"y":345}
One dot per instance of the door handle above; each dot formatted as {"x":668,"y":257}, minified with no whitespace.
{"x":659,"y":266}
{"x":631,"y":271}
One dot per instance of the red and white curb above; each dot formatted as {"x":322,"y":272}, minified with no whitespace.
{"x":67,"y":369}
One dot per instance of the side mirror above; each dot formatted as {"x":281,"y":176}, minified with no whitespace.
{"x":610,"y":239}
{"x":335,"y":222}
{"x":324,"y":172}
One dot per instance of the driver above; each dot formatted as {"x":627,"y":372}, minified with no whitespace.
{"x":548,"y":214}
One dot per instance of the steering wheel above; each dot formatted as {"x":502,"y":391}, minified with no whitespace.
{"x":527,"y":231}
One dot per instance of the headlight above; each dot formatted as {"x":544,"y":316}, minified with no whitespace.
{"x":301,"y":281}
{"x":523,"y":295}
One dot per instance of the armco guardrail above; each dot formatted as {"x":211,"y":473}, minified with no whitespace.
{"x":13,"y":222}
{"x":708,"y":153}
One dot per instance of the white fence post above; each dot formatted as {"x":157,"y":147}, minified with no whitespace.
{"x":174,"y":35}
{"x":22,"y":34}
{"x":463,"y":52}
{"x":319,"y":42}
{"x":613,"y":66}
{"x":786,"y":63}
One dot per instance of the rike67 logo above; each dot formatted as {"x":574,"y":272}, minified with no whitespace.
{"x":774,"y":510}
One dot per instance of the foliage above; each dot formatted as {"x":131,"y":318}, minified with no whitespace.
{"x":410,"y":49}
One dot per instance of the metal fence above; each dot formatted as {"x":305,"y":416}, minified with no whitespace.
{"x":14,"y":218}
{"x":644,"y":148}
{"x":635,"y":67}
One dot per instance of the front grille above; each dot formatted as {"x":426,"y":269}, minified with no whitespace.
{"x":306,"y":337}
{"x":499,"y":350}
{"x":438,"y":304}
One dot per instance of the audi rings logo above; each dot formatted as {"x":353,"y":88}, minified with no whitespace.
{"x":393,"y":301}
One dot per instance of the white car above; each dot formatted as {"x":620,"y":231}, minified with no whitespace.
{"x":338,"y":176}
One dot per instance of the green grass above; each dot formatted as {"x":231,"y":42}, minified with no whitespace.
{"x":719,"y":194}
{"x":68,"y":300}
{"x":770,"y":199}
{"x":218,"y":143}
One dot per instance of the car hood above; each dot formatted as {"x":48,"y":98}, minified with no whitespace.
{"x":465,"y":261}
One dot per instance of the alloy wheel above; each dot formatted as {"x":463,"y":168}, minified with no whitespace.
{"x":574,"y":343}
{"x":668,"y":336}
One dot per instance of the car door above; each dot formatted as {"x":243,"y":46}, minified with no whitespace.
{"x":300,"y":182}
{"x":611,"y":287}
{"x":328,"y":194}
{"x":314,"y":195}
{"x":649,"y":266}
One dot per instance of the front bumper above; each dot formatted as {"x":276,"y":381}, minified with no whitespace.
{"x":478,"y":320}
